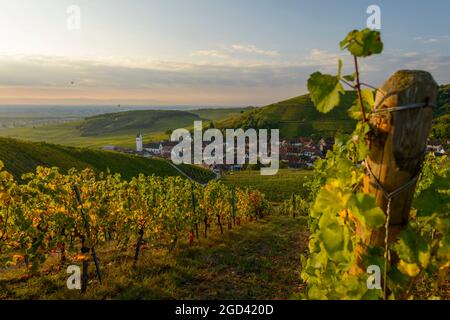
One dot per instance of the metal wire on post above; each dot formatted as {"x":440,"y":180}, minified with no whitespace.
{"x":386,"y":247}
{"x":389,"y":196}
{"x":377,"y":110}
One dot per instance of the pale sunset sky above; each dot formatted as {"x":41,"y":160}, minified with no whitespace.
{"x":203,"y":52}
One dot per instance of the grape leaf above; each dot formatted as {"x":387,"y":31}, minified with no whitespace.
{"x":325,"y":90}
{"x":410,"y":269}
{"x":358,"y":141}
{"x":331,"y":199}
{"x":350,"y":77}
{"x":334,"y":237}
{"x":368,"y":101}
{"x":412,"y":248}
{"x":434,"y":199}
{"x":363,"y":43}
{"x":365,"y":209}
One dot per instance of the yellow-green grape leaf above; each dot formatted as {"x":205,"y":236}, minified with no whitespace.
{"x":365,"y":209}
{"x":330,"y":199}
{"x":412,"y":248}
{"x":362,"y":129}
{"x":363,"y":43}
{"x":325,"y":90}
{"x":350,"y":77}
{"x":410,"y":269}
{"x":334,"y":237}
{"x":368,"y":101}
{"x":435,"y":198}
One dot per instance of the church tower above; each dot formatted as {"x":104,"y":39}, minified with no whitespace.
{"x":139,"y":142}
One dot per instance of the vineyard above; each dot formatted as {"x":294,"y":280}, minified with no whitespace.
{"x":371,"y":221}
{"x":70,"y":215}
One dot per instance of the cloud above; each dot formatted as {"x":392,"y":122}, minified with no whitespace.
{"x":410,"y":54}
{"x":235,"y":52}
{"x":226,"y":81}
{"x":47,"y":78}
{"x":210,"y":53}
{"x":249,"y":48}
{"x":429,"y":40}
{"x":317,"y":57}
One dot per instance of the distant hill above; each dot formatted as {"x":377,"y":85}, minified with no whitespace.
{"x":443,"y":100}
{"x":118,"y":129}
{"x":295,"y":117}
{"x":298,"y":116}
{"x":441,"y":123}
{"x":22,"y":157}
{"x":132,"y":121}
{"x":149,"y":121}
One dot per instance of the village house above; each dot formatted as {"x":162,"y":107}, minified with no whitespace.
{"x":435,"y":147}
{"x":166,"y":148}
{"x":154,"y":148}
{"x":326,"y":144}
{"x":299,"y":152}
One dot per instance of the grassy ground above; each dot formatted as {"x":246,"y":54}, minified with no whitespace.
{"x":277,"y":188}
{"x":118,"y":129}
{"x":259,"y":260}
{"x":69,"y":134}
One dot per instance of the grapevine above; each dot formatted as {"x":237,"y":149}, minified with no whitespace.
{"x":342,"y":217}
{"x":42,"y":216}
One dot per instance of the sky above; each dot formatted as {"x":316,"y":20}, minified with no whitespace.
{"x":203,"y":52}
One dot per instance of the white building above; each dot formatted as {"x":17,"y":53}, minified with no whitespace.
{"x":154,"y":148}
{"x":139,"y":142}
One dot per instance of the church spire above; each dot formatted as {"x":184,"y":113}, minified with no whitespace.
{"x":139,"y":142}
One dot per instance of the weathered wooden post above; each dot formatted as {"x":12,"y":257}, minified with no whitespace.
{"x":402,"y":121}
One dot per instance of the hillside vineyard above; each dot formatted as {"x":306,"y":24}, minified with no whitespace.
{"x":44,"y":217}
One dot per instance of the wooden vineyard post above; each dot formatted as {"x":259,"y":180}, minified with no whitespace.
{"x":401,"y":121}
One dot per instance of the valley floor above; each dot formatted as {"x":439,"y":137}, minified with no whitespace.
{"x":276,"y":188}
{"x":259,"y":260}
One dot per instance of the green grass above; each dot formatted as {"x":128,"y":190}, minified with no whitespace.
{"x":277,"y":188}
{"x":149,"y":121}
{"x":259,"y":260}
{"x":218,"y":113}
{"x":118,"y":129}
{"x":129,"y":122}
{"x":22,"y":157}
{"x":69,"y":134}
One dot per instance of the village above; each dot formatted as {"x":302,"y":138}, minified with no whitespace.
{"x":295,"y":153}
